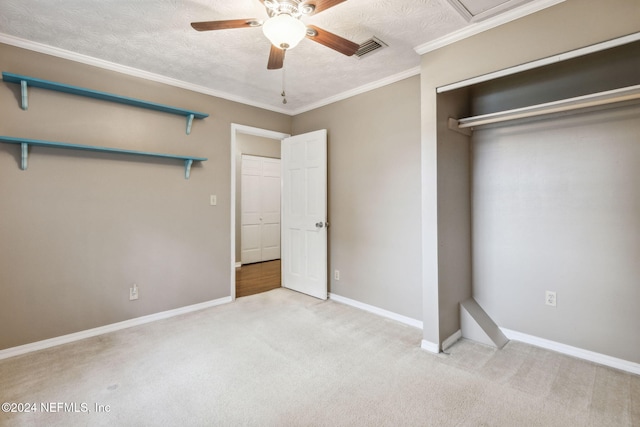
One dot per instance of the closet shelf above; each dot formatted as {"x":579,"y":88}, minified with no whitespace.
{"x":26,"y":81}
{"x":592,"y":100}
{"x":25,"y":143}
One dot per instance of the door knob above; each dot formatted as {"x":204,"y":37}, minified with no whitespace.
{"x":322,"y":224}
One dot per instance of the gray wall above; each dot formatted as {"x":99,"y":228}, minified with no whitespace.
{"x":374,"y":195}
{"x":561,"y":28}
{"x":78,"y":229}
{"x":557,"y":207}
{"x":256,"y":146}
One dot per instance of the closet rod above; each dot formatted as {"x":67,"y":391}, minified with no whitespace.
{"x":592,"y":100}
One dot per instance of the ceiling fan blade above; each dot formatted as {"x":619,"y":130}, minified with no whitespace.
{"x":321,"y":5}
{"x":342,"y":45}
{"x":225,"y":25}
{"x":276,"y":58}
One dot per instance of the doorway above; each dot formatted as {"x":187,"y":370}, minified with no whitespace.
{"x":259,"y":204}
{"x":261,"y":276}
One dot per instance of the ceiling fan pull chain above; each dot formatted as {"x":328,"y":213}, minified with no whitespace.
{"x":283,"y":94}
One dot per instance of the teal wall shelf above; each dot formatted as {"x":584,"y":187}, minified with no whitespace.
{"x":25,"y":82}
{"x":25,"y":143}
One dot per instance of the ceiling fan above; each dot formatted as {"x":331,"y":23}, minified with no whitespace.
{"x":285,"y":29}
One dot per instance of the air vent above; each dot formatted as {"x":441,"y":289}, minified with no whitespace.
{"x":367,"y":48}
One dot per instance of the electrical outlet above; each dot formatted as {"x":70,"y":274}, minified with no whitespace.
{"x":550,"y":298}
{"x":336,"y":274}
{"x":213,"y":200}
{"x":133,"y":292}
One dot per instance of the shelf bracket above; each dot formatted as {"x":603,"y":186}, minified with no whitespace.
{"x":25,"y":156}
{"x":25,"y":95}
{"x":189,"y":123}
{"x":187,"y":168}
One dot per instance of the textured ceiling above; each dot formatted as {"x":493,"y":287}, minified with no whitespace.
{"x":155,"y":36}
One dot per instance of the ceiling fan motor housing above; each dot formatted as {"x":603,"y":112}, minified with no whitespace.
{"x":290,"y":7}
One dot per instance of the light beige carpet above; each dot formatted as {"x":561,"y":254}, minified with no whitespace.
{"x":285,"y":359}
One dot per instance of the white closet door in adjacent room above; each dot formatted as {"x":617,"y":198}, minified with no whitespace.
{"x":270,"y":237}
{"x":260,"y":214}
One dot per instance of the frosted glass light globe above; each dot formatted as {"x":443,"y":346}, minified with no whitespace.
{"x":284,"y":31}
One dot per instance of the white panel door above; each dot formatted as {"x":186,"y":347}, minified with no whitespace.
{"x":260,"y":209}
{"x":250,"y":224}
{"x":304,"y":213}
{"x":270,"y":236}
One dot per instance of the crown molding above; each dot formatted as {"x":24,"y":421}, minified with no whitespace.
{"x":362,"y":89}
{"x":477,"y":28}
{"x":112,"y":66}
{"x":135,"y":72}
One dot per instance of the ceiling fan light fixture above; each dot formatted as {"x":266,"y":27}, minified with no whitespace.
{"x":284,"y":31}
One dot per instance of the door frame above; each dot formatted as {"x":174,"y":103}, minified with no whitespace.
{"x":248,"y":130}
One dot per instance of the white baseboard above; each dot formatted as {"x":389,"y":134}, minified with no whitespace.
{"x":64,"y":339}
{"x":238,"y":264}
{"x":376,"y":310}
{"x":430,"y":347}
{"x":451,"y":340}
{"x":603,"y":359}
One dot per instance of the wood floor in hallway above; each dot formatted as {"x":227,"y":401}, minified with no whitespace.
{"x":256,"y":278}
